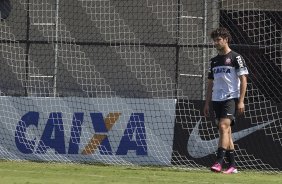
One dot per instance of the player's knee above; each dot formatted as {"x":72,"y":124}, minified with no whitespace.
{"x":223,"y":128}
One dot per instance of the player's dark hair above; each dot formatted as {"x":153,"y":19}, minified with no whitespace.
{"x":222,"y":32}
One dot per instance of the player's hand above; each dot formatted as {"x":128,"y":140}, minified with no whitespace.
{"x":240,"y":108}
{"x":206,"y":110}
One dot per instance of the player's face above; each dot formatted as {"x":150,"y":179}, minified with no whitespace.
{"x":220,"y":43}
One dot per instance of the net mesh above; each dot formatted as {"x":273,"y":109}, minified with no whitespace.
{"x":123,"y":82}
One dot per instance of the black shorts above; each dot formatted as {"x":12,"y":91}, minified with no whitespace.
{"x":225,"y":109}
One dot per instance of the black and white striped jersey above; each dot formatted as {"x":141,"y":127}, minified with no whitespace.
{"x":225,"y":71}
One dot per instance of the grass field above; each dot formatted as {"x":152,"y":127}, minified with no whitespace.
{"x":12,"y":172}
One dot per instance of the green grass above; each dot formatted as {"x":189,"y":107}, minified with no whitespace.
{"x":12,"y":172}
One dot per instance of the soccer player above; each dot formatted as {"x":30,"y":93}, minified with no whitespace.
{"x":227,"y":83}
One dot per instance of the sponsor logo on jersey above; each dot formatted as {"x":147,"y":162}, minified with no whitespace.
{"x":221,"y":70}
{"x":240,"y":61}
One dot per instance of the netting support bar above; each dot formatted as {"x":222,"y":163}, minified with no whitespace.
{"x":204,"y":49}
{"x":177,"y":47}
{"x":56,"y":49}
{"x":27,"y":49}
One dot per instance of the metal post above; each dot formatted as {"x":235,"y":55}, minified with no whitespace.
{"x":204,"y":49}
{"x":27,"y":52}
{"x":177,"y":49}
{"x":56,"y":49}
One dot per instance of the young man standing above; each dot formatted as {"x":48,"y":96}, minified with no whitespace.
{"x":227,"y":83}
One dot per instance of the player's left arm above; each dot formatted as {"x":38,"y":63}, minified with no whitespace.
{"x":242,"y":73}
{"x":243,"y":89}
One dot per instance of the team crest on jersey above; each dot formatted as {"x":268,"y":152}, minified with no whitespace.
{"x":227,"y":61}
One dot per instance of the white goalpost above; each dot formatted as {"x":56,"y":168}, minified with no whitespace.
{"x":123,"y":82}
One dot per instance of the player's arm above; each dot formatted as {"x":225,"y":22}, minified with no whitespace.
{"x":243,"y":89}
{"x":208,"y":97}
{"x":242,"y":71}
{"x":209,"y":90}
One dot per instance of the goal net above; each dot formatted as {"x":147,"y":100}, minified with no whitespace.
{"x":124,"y":82}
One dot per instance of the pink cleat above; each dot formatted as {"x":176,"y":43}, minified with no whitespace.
{"x":231,"y":170}
{"x":216,"y":167}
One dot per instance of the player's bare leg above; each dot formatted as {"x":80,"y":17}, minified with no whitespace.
{"x":223,"y":144}
{"x":231,"y":144}
{"x":224,"y":129}
{"x":230,"y":155}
